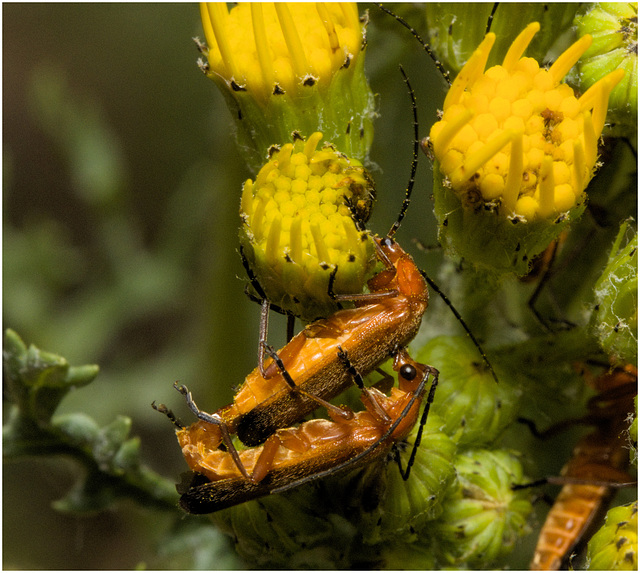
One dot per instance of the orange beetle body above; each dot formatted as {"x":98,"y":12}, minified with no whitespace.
{"x":386,"y":318}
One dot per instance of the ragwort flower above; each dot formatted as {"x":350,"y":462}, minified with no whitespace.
{"x":290,"y":66}
{"x":299,"y":231}
{"x":515,"y":150}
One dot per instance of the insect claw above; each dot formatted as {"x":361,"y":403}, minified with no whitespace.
{"x":180,"y":388}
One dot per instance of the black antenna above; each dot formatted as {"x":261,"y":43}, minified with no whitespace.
{"x":414,"y":161}
{"x":403,"y":210}
{"x":490,"y":20}
{"x":425,"y":413}
{"x":445,"y":299}
{"x":168,"y":413}
{"x":436,"y":61}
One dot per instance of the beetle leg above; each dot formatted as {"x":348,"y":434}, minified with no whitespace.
{"x":216,"y":420}
{"x":265,"y":459}
{"x":168,"y":413}
{"x":264,"y":331}
{"x":341,"y":413}
{"x":369,"y":400}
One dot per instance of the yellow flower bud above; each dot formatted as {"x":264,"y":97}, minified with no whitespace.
{"x":514,"y":149}
{"x":298,"y":226}
{"x":292,"y":43}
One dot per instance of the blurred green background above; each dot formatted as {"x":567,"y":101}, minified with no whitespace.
{"x":121,"y":189}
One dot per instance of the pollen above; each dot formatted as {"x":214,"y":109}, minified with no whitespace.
{"x":268,"y":48}
{"x":301,"y":222}
{"x":517,"y":137}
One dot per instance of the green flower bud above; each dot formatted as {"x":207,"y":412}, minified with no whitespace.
{"x":616,"y":293}
{"x":288,"y":67}
{"x":398,"y":556}
{"x":298,"y":227}
{"x":515,"y":150}
{"x":614,"y":27}
{"x":405,"y":506}
{"x":295,"y":530}
{"x":456,"y":29}
{"x":615,"y":546}
{"x":475,"y":409}
{"x":483,"y":517}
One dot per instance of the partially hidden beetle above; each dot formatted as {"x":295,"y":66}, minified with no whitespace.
{"x":315,"y":449}
{"x":598,"y":459}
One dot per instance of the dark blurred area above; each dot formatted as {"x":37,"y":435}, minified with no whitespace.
{"x":121,"y":185}
{"x":119,"y":243}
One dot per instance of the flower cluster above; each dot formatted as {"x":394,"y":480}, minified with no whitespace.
{"x":515,"y":149}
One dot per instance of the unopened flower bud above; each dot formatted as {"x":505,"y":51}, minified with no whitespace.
{"x":614,"y":28}
{"x":615,"y":546}
{"x":483,"y":517}
{"x":475,"y":409}
{"x":616,"y":292}
{"x":407,"y":506}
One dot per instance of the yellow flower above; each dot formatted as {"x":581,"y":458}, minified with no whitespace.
{"x":269,"y":48}
{"x":299,"y":229}
{"x":290,"y":66}
{"x":516,"y":139}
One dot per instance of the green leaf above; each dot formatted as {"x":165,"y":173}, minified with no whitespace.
{"x":37,"y":381}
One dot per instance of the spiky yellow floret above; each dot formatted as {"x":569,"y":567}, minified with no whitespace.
{"x":299,"y":228}
{"x":267,"y":47}
{"x":516,"y":137}
{"x":615,"y":546}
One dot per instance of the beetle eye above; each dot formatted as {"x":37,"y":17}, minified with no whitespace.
{"x":408,"y":372}
{"x":387,"y":242}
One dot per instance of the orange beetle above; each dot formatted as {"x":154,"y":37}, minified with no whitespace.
{"x":369,"y":334}
{"x":599,"y":457}
{"x":314,"y":449}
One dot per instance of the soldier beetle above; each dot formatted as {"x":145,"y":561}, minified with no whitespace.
{"x":315,"y":449}
{"x":595,"y":469}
